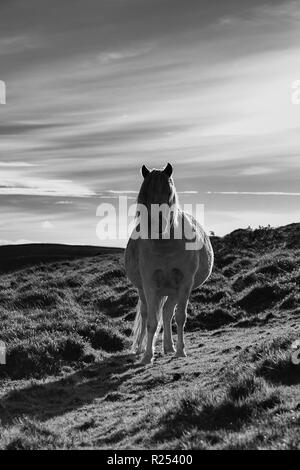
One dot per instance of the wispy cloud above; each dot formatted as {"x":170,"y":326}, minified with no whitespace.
{"x":64,"y":203}
{"x":16,"y":183}
{"x":254,"y":193}
{"x":16,"y":164}
{"x":16,"y":44}
{"x":187,"y":192}
{"x":123,"y":54}
{"x":112,"y":191}
{"x":46,"y":225}
{"x":257,"y":170}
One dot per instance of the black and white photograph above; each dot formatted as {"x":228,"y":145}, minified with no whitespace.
{"x":149,"y":228}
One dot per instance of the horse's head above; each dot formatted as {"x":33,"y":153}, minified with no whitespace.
{"x":158,"y":195}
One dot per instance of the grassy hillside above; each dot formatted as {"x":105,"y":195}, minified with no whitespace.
{"x":70,"y":380}
{"x":14,"y":257}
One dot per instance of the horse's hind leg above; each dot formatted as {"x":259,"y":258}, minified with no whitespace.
{"x":168,"y":312}
{"x":153,"y":304}
{"x":143,"y":312}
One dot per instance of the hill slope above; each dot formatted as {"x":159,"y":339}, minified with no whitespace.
{"x":14,"y":257}
{"x":70,"y":380}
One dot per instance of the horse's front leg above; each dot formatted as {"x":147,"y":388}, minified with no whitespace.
{"x":140,"y":343}
{"x":180,"y":317}
{"x":153,"y":304}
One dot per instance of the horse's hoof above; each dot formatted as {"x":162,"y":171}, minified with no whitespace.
{"x":146,"y":360}
{"x":169,"y":350}
{"x":181,"y":353}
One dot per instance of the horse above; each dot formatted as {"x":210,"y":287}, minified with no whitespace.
{"x":167,"y":256}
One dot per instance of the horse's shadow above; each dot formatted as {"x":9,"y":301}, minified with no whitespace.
{"x":43,"y":401}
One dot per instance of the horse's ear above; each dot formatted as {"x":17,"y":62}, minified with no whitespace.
{"x":168,"y":170}
{"x":145,"y":171}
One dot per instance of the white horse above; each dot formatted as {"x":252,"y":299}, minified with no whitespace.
{"x":163,"y":265}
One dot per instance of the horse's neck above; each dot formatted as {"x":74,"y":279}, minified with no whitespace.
{"x":171,"y":232}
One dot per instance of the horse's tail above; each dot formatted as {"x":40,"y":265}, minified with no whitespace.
{"x":139,"y":337}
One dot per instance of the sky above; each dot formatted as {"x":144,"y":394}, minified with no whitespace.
{"x":95,"y":89}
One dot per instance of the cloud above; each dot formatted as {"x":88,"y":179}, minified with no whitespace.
{"x":64,"y":202}
{"x":115,"y":197}
{"x":257,"y":170}
{"x":15,"y":128}
{"x":16,"y":164}
{"x":120,"y":192}
{"x":14,"y":182}
{"x":254,"y":193}
{"x":187,"y":192}
{"x":123,"y":54}
{"x":16,"y":44}
{"x":47,"y":225}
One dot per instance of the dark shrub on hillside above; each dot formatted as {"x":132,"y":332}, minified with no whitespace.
{"x":42,"y":356}
{"x":113,"y":276}
{"x":68,"y":281}
{"x":226,"y":259}
{"x":220,"y":295}
{"x":229,"y":271}
{"x":244,"y":386}
{"x":6,"y":297}
{"x":261,"y":297}
{"x":279,"y":369}
{"x":290,"y":302}
{"x":38,"y":298}
{"x":237,"y":266}
{"x":118,"y":304}
{"x":219,"y":317}
{"x":244,"y":281}
{"x":71,"y":349}
{"x":110,"y":277}
{"x":212,"y":292}
{"x":209,"y":320}
{"x":202,"y":295}
{"x":108,"y":340}
{"x":277,"y":267}
{"x":271,"y":360}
